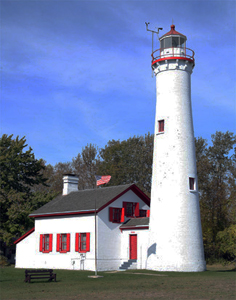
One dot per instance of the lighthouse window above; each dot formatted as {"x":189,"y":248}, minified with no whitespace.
{"x":162,"y":44}
{"x":168,"y":43}
{"x":175,"y":42}
{"x":191,"y":183}
{"x":182,"y":42}
{"x":161,"y":126}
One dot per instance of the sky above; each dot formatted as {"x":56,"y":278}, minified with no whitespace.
{"x":79,"y":72}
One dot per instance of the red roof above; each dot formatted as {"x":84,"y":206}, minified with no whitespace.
{"x":172,"y":32}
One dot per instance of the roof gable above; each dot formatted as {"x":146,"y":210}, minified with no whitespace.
{"x":24,"y":236}
{"x":83,"y":202}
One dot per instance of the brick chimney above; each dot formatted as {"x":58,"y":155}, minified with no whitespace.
{"x":70,"y":184}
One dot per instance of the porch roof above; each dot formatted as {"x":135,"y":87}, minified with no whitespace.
{"x":137,"y":223}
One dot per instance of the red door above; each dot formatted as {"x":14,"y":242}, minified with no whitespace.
{"x":133,"y":246}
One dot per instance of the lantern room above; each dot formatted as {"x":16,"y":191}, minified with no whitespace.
{"x":173,"y":39}
{"x":172,"y":46}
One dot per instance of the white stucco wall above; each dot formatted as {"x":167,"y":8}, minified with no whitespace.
{"x":25,"y":252}
{"x":110,"y":244}
{"x":70,"y":260}
{"x":175,"y":225}
{"x":142,"y":245}
{"x":108,"y":237}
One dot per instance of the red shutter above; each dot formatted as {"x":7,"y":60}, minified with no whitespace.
{"x":110,"y":214}
{"x":148,"y":213}
{"x":122,"y":218}
{"x":58,"y":242}
{"x":68,"y":242}
{"x":124,"y":205}
{"x":41,"y":243}
{"x":77,"y":242}
{"x":50,"y":242}
{"x":136,"y":210}
{"x":87,"y":241}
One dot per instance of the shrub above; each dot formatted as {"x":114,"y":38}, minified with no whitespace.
{"x":3,"y":261}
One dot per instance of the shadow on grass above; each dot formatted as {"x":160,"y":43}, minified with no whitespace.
{"x":40,"y":281}
{"x":232,"y":270}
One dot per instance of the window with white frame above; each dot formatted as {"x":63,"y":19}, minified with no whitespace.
{"x":82,"y":242}
{"x":45,"y":244}
{"x":63,"y":242}
{"x":192,"y":184}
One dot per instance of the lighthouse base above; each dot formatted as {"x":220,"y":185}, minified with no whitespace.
{"x":156,"y":264}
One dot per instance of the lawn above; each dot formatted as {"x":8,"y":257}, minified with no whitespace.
{"x":216,"y":283}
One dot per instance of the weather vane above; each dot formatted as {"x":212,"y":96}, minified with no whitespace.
{"x":152,"y":31}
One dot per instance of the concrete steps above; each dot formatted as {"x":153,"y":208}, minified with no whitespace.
{"x":127,"y":264}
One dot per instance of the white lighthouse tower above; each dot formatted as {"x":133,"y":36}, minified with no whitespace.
{"x":175,"y":225}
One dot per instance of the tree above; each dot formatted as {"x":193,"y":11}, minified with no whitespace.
{"x":20,"y":171}
{"x":129,"y":161}
{"x":85,"y":165}
{"x":55,"y":179}
{"x":226,"y":241}
{"x":216,"y":174}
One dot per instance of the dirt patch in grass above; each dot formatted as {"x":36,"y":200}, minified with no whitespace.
{"x":149,"y":274}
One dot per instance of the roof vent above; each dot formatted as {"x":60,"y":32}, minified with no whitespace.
{"x":70,"y":183}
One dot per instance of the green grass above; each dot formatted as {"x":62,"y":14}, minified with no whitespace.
{"x":216,"y":283}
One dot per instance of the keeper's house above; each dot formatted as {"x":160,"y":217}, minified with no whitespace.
{"x":64,"y":232}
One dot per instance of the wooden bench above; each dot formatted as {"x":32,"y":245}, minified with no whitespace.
{"x":38,"y":274}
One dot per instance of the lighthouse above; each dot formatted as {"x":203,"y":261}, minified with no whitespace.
{"x":175,"y":234}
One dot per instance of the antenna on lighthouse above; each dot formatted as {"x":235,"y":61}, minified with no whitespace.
{"x":152,"y":31}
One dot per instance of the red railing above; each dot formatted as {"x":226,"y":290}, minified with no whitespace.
{"x":172,"y":52}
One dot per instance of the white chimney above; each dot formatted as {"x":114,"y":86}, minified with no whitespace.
{"x":70,"y":184}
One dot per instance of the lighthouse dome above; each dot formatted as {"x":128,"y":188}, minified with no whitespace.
{"x":173,"y":39}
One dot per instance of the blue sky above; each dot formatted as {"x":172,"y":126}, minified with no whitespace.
{"x":78,"y":72}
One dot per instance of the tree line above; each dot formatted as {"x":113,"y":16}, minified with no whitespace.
{"x":28,"y":183}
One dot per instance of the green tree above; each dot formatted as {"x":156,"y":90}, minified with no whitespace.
{"x":20,"y":171}
{"x":216,"y":174}
{"x":129,"y":161}
{"x":47,"y":172}
{"x":55,"y":179}
{"x":85,"y":166}
{"x":226,"y":241}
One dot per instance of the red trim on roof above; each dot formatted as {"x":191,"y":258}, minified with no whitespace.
{"x":172,"y":32}
{"x":134,"y":189}
{"x":134,"y":228}
{"x":24,"y":236}
{"x":173,"y":57}
{"x":140,"y":194}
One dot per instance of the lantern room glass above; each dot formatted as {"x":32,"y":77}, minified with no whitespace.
{"x":173,"y":41}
